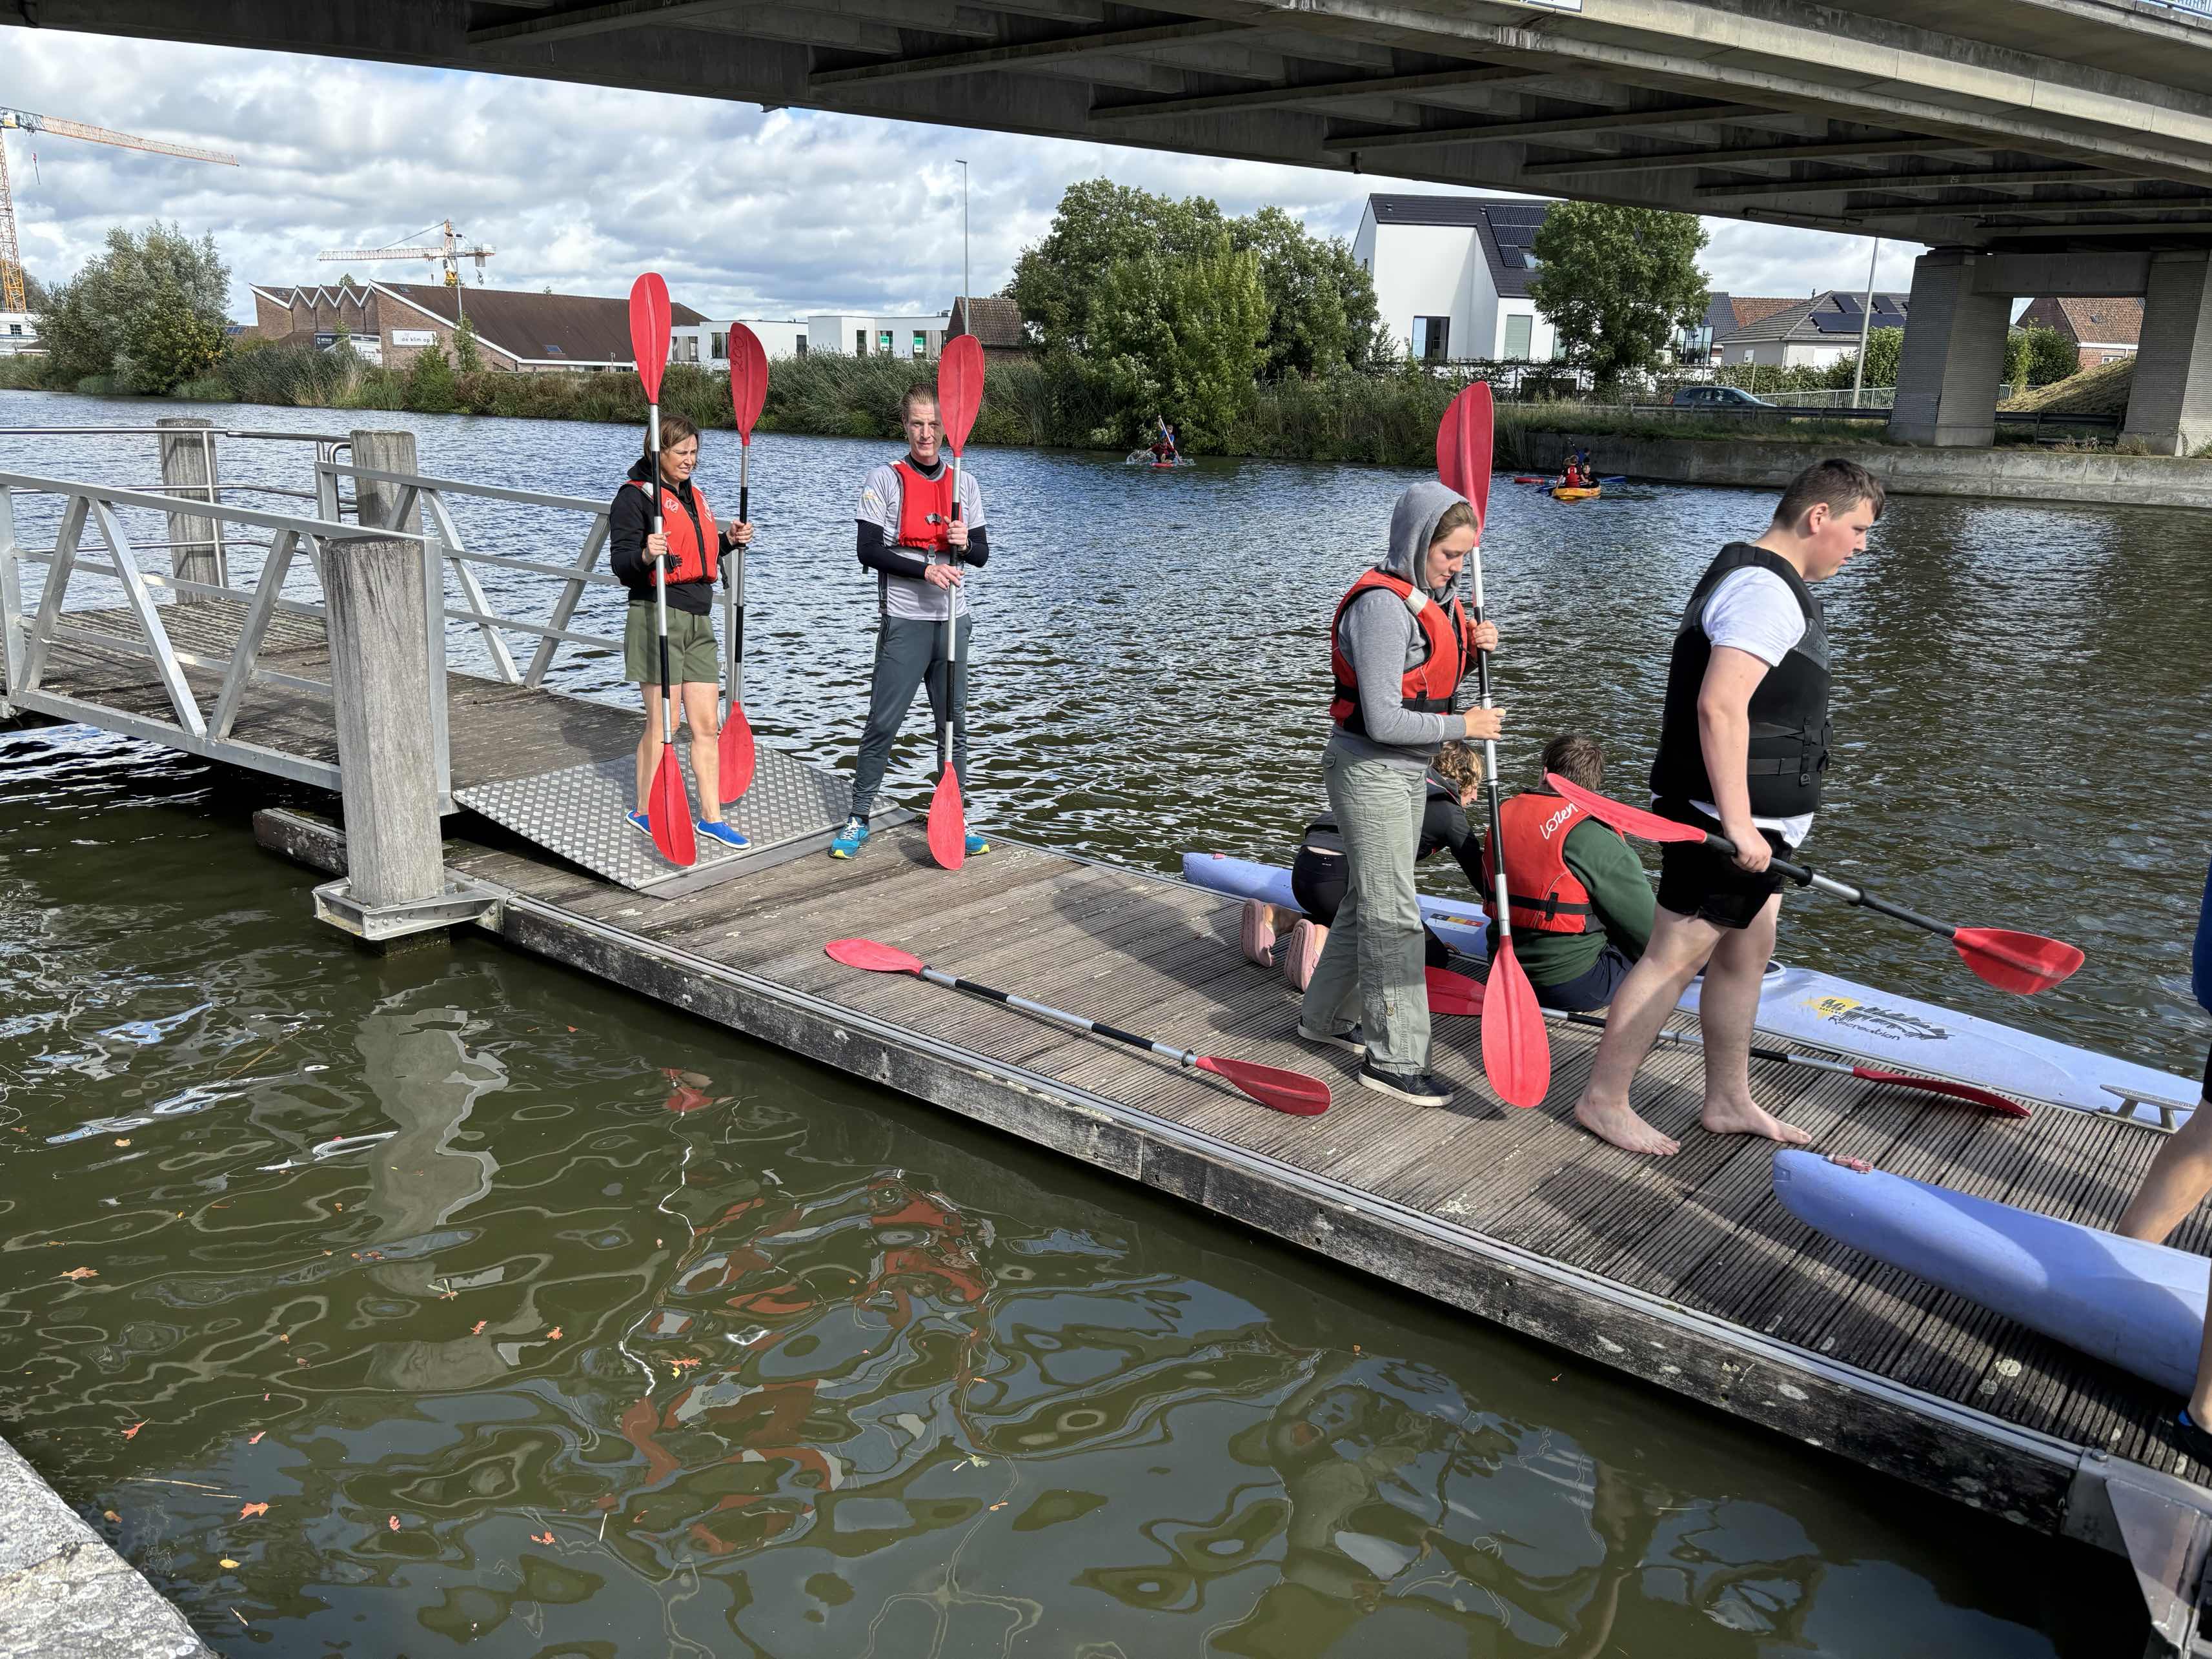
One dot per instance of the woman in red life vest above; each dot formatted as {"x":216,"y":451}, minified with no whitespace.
{"x":1398,"y":647}
{"x":692,"y":548}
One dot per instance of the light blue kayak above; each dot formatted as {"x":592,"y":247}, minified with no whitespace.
{"x":1823,"y":1011}
{"x":2134,"y":1305}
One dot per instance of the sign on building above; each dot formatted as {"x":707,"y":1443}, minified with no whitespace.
{"x":414,"y":337}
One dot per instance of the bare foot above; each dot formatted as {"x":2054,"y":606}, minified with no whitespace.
{"x":1738,"y":1117}
{"x":1620,"y":1126}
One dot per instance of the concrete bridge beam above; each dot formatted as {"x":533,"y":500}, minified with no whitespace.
{"x":1953,"y":356}
{"x":2170,"y":406}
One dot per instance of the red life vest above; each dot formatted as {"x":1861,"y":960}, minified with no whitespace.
{"x":1547,"y":896}
{"x":925,"y":507}
{"x":1427,"y":688}
{"x":688,"y":560}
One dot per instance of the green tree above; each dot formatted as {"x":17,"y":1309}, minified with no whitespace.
{"x":1056,"y":283}
{"x":467,"y":360}
{"x":1883,"y":345}
{"x":1322,"y":314}
{"x":150,"y":311}
{"x":1186,"y":335}
{"x":429,"y":389}
{"x":1617,"y":282}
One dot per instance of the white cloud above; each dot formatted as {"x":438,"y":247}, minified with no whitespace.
{"x":579,"y":188}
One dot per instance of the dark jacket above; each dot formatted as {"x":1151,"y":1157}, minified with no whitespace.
{"x":629,"y":521}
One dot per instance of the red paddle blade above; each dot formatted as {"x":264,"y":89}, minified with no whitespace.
{"x":1629,"y":820}
{"x":648,"y":332}
{"x":1516,"y":1046}
{"x":1453,"y":993}
{"x":1293,"y":1092}
{"x":959,"y":388}
{"x":668,"y":812}
{"x":2021,"y":962}
{"x":1936,"y":1085}
{"x":948,"y":818}
{"x":736,"y":754}
{"x":748,"y":379}
{"x":1463,"y":444}
{"x":868,"y":954}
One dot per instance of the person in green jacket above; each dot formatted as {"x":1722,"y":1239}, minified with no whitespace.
{"x":1581,"y":904}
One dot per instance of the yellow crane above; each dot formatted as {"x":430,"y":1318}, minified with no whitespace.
{"x":449,"y":250}
{"x":22,"y":120}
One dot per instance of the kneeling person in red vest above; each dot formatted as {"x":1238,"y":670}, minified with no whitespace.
{"x":691,"y":550}
{"x":1582,"y":905}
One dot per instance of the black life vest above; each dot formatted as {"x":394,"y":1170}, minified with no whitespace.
{"x":694,"y":546}
{"x":1428,"y":686}
{"x":1546,"y":897}
{"x":925,"y":507}
{"x":1789,"y":729}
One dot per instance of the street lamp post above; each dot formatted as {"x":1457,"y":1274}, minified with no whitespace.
{"x":967,"y":303}
{"x":1866,"y":325}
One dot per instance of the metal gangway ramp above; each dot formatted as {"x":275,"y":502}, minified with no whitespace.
{"x":175,"y":612}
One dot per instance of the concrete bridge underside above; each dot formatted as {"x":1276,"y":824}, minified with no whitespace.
{"x":2065,"y":135}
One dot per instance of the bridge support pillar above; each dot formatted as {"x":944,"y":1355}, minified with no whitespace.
{"x":1953,"y":355}
{"x":2170,"y":406}
{"x":188,"y":468}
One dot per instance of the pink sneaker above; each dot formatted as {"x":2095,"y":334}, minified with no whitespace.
{"x":1259,"y":932}
{"x":1302,"y":953}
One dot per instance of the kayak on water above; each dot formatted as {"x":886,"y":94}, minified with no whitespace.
{"x":2133,"y":1305}
{"x":1145,"y":458}
{"x":1803,"y":1005}
{"x":1588,"y":493}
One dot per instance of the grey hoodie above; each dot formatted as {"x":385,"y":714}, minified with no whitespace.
{"x":1384,"y":642}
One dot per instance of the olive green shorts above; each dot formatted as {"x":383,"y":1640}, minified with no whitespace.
{"x":693,"y":658}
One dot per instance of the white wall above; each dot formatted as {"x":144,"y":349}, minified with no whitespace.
{"x":17,"y":333}
{"x":1439,"y":270}
{"x":834,"y":330}
{"x":695,"y":341}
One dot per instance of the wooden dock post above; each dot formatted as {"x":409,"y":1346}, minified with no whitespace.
{"x":389,"y":701}
{"x":188,"y":467}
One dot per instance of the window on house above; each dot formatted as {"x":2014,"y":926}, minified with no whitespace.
{"x":1431,"y":338}
{"x":920,"y":343}
{"x":721,"y":346}
{"x":884,"y":341}
{"x":860,"y":341}
{"x":1517,"y":330}
{"x":801,"y":343}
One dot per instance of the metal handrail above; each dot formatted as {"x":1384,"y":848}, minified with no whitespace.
{"x":344,"y":440}
{"x":34,"y":484}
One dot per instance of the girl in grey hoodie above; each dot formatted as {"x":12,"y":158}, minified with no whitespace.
{"x":1368,"y":993}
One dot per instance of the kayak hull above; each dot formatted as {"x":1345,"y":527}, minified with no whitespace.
{"x":1822,"y":1011}
{"x":2134,"y":1305}
{"x":1577,"y":495}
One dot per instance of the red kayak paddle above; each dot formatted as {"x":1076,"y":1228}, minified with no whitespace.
{"x":959,"y":395}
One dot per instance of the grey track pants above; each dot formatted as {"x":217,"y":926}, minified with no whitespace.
{"x":910,"y":653}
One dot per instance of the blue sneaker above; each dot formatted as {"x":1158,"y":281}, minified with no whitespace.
{"x":639,"y":821}
{"x":717,"y":830}
{"x":849,"y":839}
{"x":977,"y":843}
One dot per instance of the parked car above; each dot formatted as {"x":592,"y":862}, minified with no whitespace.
{"x":1717,"y":397}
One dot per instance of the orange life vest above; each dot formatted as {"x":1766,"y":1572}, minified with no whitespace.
{"x":1427,"y":688}
{"x":1547,"y":896}
{"x":925,"y":507}
{"x":688,"y":559}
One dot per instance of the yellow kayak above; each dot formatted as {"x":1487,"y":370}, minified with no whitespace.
{"x":1591,"y":493}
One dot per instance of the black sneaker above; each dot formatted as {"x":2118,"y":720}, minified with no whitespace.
{"x":1351,"y":1040}
{"x":1415,"y":1088}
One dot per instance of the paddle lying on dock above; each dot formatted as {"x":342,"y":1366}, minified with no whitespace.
{"x":1517,"y":1049}
{"x":959,"y":395}
{"x":748,"y":390}
{"x":668,"y":807}
{"x":1934,"y":1086}
{"x":1293,"y":1092}
{"x":2020,"y":962}
{"x":1453,"y":993}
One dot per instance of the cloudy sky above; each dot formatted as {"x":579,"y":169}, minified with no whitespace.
{"x":746,"y":214}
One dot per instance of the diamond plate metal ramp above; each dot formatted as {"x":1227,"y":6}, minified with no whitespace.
{"x":578,"y":813}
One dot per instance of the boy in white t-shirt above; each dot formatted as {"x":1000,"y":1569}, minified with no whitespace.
{"x":1743,"y":747}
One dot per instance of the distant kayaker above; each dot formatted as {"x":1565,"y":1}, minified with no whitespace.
{"x":1743,"y":746}
{"x":919,"y":547}
{"x":693,"y":547}
{"x":1398,"y":647}
{"x":1317,"y":878}
{"x":2176,"y":1183}
{"x":1582,"y":905}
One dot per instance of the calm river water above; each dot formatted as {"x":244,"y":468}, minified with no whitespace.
{"x":637,"y":1339}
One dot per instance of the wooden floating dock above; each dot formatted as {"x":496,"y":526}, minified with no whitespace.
{"x":1685,"y":1272}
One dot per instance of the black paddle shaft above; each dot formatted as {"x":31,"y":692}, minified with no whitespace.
{"x":1816,"y":1061}
{"x":1095,"y":1028}
{"x":1805,"y":876}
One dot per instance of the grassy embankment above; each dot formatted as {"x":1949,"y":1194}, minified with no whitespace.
{"x":1384,"y":419}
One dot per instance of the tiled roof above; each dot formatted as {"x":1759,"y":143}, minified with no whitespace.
{"x":1834,"y":316}
{"x":1749,"y":310}
{"x":998,"y":324}
{"x":1505,"y":228}
{"x":2090,"y":322}
{"x":578,"y":328}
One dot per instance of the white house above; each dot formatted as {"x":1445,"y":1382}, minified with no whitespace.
{"x":708,"y":343}
{"x":919,"y":338}
{"x":1813,"y":332}
{"x":18,"y":333}
{"x":1451,"y":275}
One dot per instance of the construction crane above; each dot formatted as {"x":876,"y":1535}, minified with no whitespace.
{"x":22,"y":120}
{"x":449,"y":251}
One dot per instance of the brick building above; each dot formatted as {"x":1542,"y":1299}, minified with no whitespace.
{"x":997,"y":326}
{"x":2099,"y":330}
{"x":518,"y":332}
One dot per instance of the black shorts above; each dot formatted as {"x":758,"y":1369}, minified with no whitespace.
{"x":1318,"y":883}
{"x":1696,"y":880}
